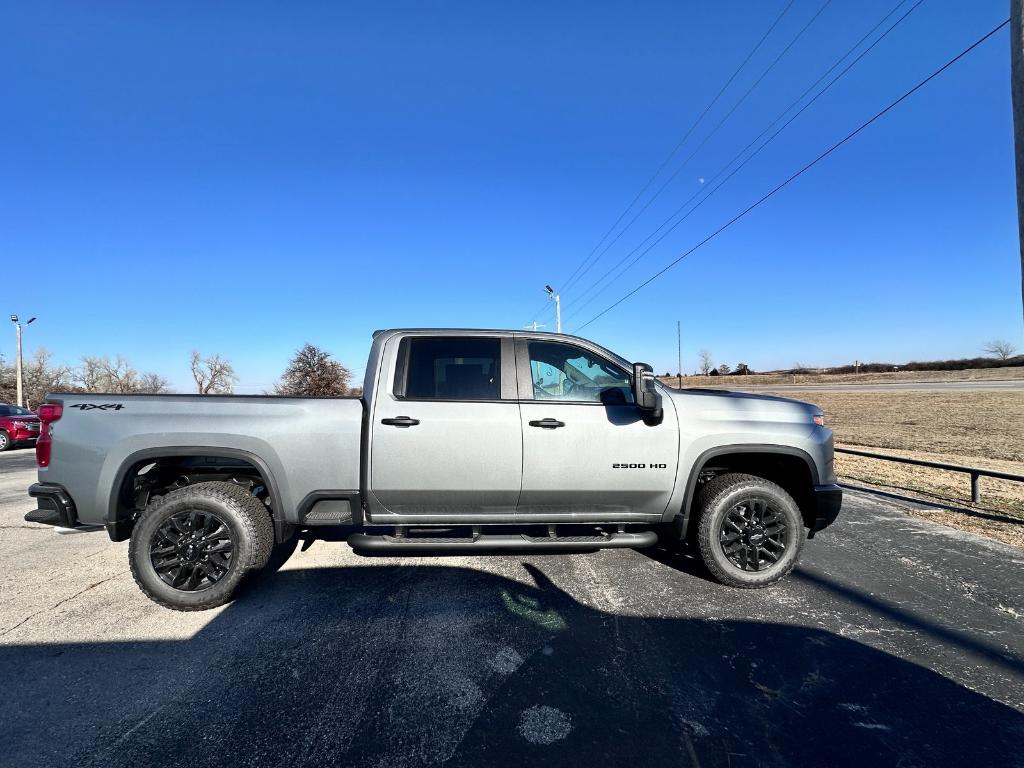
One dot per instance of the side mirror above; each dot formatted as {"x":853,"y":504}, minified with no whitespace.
{"x":644,"y":392}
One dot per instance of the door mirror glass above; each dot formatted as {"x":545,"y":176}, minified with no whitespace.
{"x":644,"y":391}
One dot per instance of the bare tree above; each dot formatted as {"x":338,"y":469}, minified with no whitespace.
{"x":213,"y":375}
{"x":706,"y":362}
{"x":101,"y":374}
{"x":151,"y":384}
{"x":724,"y":369}
{"x":41,"y":377}
{"x":1003,"y":350}
{"x":313,"y":372}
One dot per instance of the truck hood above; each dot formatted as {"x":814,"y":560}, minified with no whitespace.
{"x":743,"y":406}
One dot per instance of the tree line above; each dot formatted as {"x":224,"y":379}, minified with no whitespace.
{"x":999,"y":353}
{"x":311,"y":372}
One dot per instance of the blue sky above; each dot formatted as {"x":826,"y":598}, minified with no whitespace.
{"x":244,"y":177}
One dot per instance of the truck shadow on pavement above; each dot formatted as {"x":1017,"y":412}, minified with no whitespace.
{"x":426,"y":664}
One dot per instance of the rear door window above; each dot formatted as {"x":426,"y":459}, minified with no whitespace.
{"x":467,"y":368}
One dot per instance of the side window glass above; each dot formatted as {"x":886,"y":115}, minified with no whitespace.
{"x":453,"y":368}
{"x":564,"y":372}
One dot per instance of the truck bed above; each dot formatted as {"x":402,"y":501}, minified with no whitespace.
{"x":100,"y":437}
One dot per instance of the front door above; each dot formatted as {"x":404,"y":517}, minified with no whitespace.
{"x":587,"y":451}
{"x":446,"y":435}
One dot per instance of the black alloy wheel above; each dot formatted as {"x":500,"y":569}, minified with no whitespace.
{"x":192,"y":550}
{"x":753,"y":535}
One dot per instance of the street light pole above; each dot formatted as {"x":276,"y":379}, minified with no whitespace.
{"x":558,"y":307}
{"x":1017,"y":100}
{"x":679,"y":354}
{"x":17,"y":361}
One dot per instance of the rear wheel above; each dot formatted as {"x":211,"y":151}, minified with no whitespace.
{"x":191,"y":549}
{"x":750,"y":531}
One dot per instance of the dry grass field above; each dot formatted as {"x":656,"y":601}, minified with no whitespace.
{"x":768,"y":379}
{"x":973,"y":428}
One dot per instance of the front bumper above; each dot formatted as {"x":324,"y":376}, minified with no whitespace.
{"x":55,"y":506}
{"x":828,"y":500}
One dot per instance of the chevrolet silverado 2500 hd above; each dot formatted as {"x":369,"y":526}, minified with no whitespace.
{"x":476,"y":440}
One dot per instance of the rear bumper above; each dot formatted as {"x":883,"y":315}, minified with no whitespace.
{"x":55,"y":506}
{"x":828,"y":500}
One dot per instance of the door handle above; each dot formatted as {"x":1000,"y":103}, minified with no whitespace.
{"x":400,"y":421}
{"x":547,"y":423}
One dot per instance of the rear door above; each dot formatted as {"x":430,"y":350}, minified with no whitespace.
{"x":588,"y":454}
{"x":446,"y":434}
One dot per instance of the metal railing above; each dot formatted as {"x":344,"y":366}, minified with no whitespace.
{"x":976,"y":473}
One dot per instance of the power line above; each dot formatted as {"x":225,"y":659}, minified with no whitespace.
{"x":680,"y":143}
{"x":707,"y":138}
{"x":799,"y":173}
{"x":579,"y":307}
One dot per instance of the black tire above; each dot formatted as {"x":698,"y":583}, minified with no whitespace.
{"x":217,"y":532}
{"x":750,"y":531}
{"x":5,"y":441}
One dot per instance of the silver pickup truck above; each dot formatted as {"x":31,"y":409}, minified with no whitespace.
{"x":475,"y":441}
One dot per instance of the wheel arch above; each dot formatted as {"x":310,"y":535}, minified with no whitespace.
{"x":120,"y":512}
{"x":788,"y":466}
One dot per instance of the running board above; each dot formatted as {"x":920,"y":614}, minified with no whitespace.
{"x":364,"y":542}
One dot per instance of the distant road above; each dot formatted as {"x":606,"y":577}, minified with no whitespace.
{"x":930,"y":386}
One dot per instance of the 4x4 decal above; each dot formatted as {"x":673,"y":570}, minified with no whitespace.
{"x":102,"y":407}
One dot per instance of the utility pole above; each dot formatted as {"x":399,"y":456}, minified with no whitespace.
{"x":17,"y":361}
{"x":558,"y":307}
{"x":679,"y":354}
{"x":1017,"y":95}
{"x":534,"y":326}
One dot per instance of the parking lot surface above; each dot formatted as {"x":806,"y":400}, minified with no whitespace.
{"x":896,"y":642}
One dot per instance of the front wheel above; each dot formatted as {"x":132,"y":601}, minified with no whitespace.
{"x":750,"y":532}
{"x":5,"y":440}
{"x":190,"y":549}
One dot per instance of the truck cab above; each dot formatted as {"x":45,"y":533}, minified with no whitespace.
{"x":509,"y":428}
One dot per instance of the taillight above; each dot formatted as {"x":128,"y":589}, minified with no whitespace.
{"x":48,"y":413}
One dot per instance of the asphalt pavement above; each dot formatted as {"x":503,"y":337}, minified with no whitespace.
{"x":896,"y":642}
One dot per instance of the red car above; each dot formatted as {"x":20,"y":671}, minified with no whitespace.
{"x":17,"y":425}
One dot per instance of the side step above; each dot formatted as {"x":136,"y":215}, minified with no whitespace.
{"x":365,"y":542}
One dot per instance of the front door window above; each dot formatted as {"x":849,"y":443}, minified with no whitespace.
{"x":568,"y":373}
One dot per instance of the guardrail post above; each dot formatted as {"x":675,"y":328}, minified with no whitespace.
{"x":975,"y":487}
